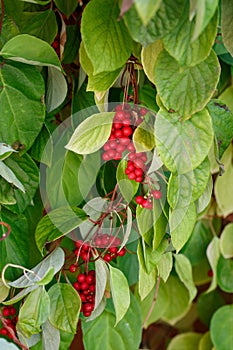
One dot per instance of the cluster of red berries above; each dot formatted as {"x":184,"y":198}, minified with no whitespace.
{"x":10,"y":319}
{"x":123,"y":126}
{"x":85,"y":286}
{"x":107,"y":247}
{"x":146,"y":201}
{"x":136,"y":166}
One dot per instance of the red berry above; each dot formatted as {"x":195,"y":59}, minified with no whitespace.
{"x":86,"y":246}
{"x":210,"y":273}
{"x":117,"y":126}
{"x":118,"y":156}
{"x":120,"y":148}
{"x":3,"y":331}
{"x":127,"y":130}
{"x":88,"y":307}
{"x":90,"y":279}
{"x":131,"y":176}
{"x":118,"y":134}
{"x":132,"y":156}
{"x":139,"y":199}
{"x":156,"y":194}
{"x":83,"y":298}
{"x":147,"y":204}
{"x":130,"y":167}
{"x":73,"y":268}
{"x":138,"y":172}
{"x":85,"y":256}
{"x":76,"y":286}
{"x":107,"y":257}
{"x":120,"y":115}
{"x":81,"y":278}
{"x":106,"y":147}
{"x":84,"y":286}
{"x":117,"y":241}
{"x":79,"y":243}
{"x":111,"y":153}
{"x":112,"y":249}
{"x":131,"y":147}
{"x":143,"y":111}
{"x":91,"y":272}
{"x":86,"y":314}
{"x":12,"y":311}
{"x":139,"y":179}
{"x":121,"y":252}
{"x":92,"y":288}
{"x":6,"y":311}
{"x":124,"y":141}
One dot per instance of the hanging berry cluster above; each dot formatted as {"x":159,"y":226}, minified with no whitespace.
{"x":103,"y":246}
{"x":9,"y":320}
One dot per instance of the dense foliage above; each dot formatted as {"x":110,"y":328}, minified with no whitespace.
{"x":116,"y":167}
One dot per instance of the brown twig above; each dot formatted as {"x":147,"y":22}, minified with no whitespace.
{"x":2,"y":15}
{"x":12,"y":333}
{"x":5,"y":235}
{"x":153,"y":301}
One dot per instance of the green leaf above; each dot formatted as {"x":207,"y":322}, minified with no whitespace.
{"x":175,"y":311}
{"x":204,"y":11}
{"x":189,"y":340}
{"x":57,"y":223}
{"x":22,"y":88}
{"x":182,"y":221}
{"x":91,"y":134}
{"x":225,"y":274}
{"x":165,"y":266}
{"x":10,"y":177}
{"x":205,"y":342}
{"x":177,"y":150}
{"x":71,"y":45}
{"x":34,"y":312}
{"x":184,"y":271}
{"x":106,"y":39}
{"x":120,"y":292}
{"x":5,"y":151}
{"x":56,"y":89}
{"x":222,"y":122}
{"x":4,"y":344}
{"x":65,"y":307}
{"x":179,"y":42}
{"x":213,"y":255}
{"x":16,"y":247}
{"x":42,"y":25}
{"x":226,"y":97}
{"x":28,"y":174}
{"x":42,"y":147}
{"x":50,"y":336}
{"x":146,"y":281}
{"x":204,"y":201}
{"x":164,"y":20}
{"x":70,"y":178}
{"x":147,"y":9}
{"x":224,"y":185}
{"x":51,"y":264}
{"x":152,"y":50}
{"x":179,"y":86}
{"x":226,"y":242}
{"x":207,"y":304}
{"x":98,"y":82}
{"x":143,"y":137}
{"x":221,"y":328}
{"x":4,"y":291}
{"x":31,"y":50}
{"x":127,"y":187}
{"x":9,"y":30}
{"x":195,"y":248}
{"x":20,"y":295}
{"x":184,"y":189}
{"x":127,"y":333}
{"x":227,"y":24}
{"x":65,"y":340}
{"x":102,"y":276}
{"x":6,"y":193}
{"x":67,"y":7}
